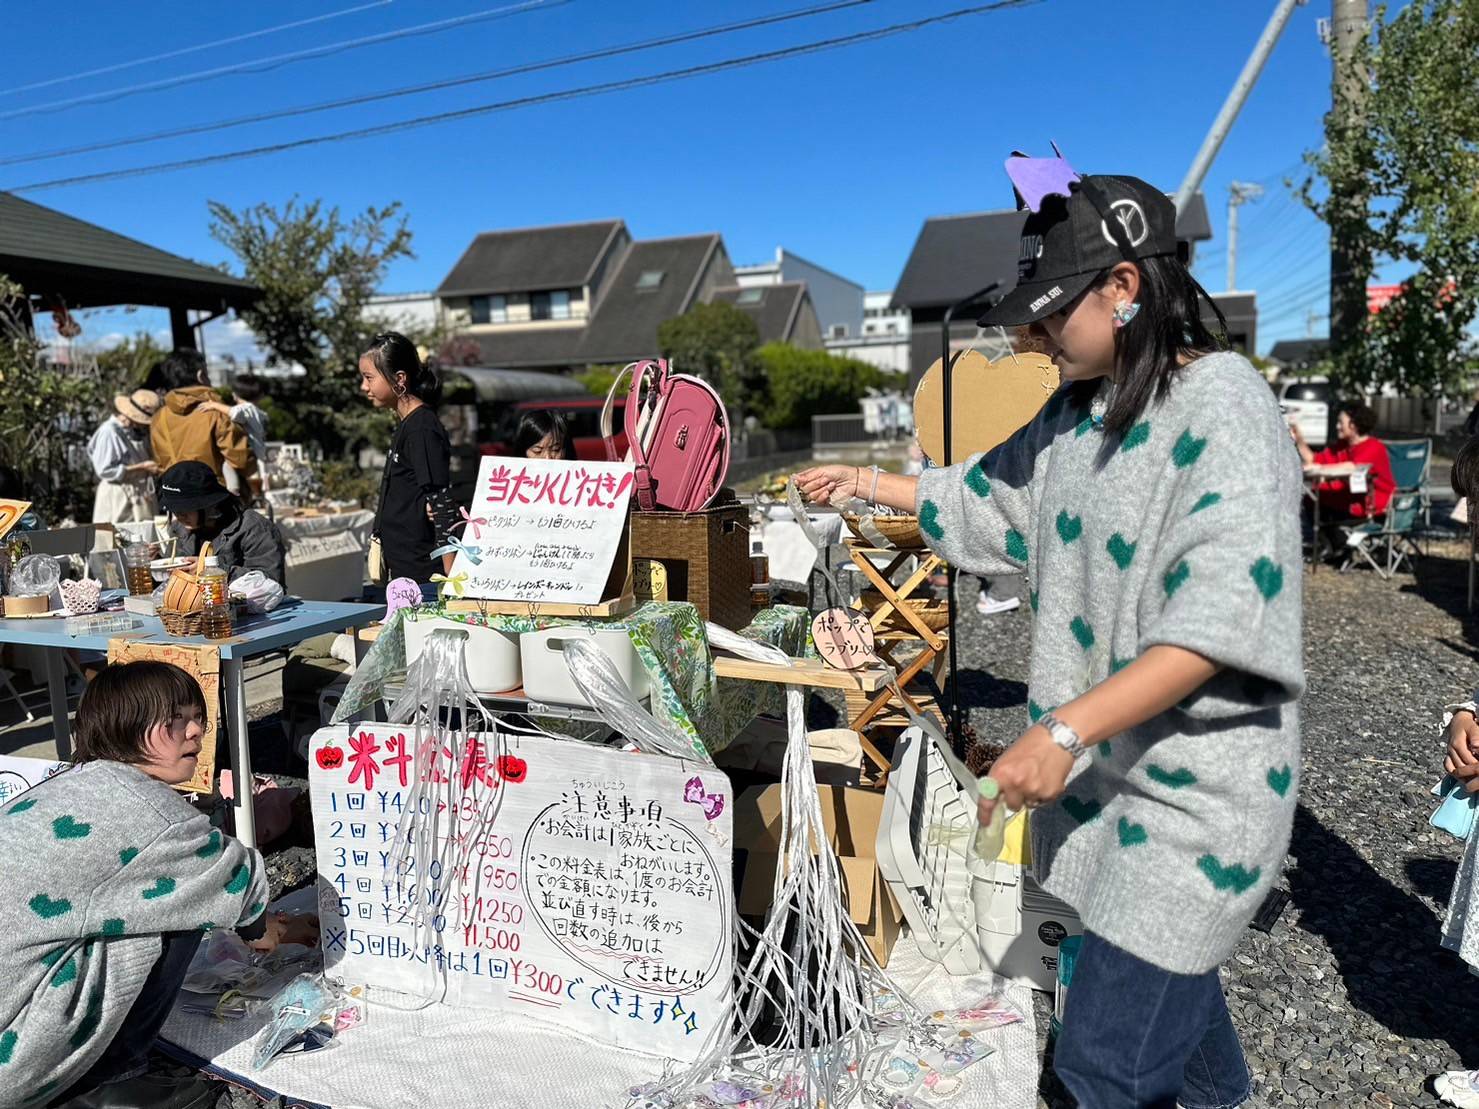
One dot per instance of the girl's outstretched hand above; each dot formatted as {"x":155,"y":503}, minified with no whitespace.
{"x":1033,"y":771}
{"x":827,"y":484}
{"x":1463,"y":741}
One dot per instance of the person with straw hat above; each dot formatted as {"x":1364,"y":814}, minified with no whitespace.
{"x":120,"y":455}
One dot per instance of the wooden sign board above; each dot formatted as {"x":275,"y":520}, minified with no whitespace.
{"x":10,"y":514}
{"x":992,"y":400}
{"x":546,"y":530}
{"x":579,"y":885}
{"x":204,"y":665}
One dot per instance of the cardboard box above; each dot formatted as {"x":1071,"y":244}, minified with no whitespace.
{"x":850,"y":817}
{"x":1020,"y":926}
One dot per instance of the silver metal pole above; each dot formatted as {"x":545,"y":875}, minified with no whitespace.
{"x":1234,"y":103}
{"x":1232,"y":239}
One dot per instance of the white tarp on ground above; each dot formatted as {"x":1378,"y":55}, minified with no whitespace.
{"x":476,"y":1059}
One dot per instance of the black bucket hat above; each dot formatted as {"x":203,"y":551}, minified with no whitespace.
{"x":1071,"y":240}
{"x":189,"y":486}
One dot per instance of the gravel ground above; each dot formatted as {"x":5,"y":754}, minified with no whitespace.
{"x":1349,"y":1000}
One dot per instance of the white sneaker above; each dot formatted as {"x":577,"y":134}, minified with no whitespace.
{"x":1459,"y":1087}
{"x":988,"y":605}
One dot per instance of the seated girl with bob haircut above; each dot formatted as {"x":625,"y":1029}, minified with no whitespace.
{"x":113,"y":878}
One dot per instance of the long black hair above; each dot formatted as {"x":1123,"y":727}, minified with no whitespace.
{"x":538,"y":423}
{"x":1168,"y":330}
{"x":1464,"y":477}
{"x":392,"y":354}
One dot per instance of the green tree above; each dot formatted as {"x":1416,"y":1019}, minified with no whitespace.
{"x":716,"y":342}
{"x":47,"y":414}
{"x":126,"y":365}
{"x":806,"y":383}
{"x":1398,"y":179}
{"x":317,"y":272}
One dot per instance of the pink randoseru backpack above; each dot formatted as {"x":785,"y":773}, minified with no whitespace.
{"x":677,"y":435}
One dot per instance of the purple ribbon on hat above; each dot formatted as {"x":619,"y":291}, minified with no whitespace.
{"x":1038,"y":178}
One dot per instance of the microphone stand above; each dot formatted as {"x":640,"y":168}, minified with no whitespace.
{"x":947,"y":368}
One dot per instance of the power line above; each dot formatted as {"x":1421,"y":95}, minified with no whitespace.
{"x":530,"y":101}
{"x":277,"y":61}
{"x":193,"y":49}
{"x":433,"y":86}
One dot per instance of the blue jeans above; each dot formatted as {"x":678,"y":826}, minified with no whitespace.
{"x":1139,"y":1037}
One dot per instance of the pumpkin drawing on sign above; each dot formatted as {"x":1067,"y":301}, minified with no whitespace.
{"x":329,"y":757}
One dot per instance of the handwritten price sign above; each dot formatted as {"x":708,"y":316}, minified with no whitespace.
{"x":543,"y":530}
{"x":564,"y":882}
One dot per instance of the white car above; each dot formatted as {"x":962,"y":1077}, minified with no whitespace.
{"x":1307,"y":403}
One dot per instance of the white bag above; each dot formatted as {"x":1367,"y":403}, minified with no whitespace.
{"x":260,"y":592}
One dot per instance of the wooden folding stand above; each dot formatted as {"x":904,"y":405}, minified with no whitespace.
{"x":897,"y":622}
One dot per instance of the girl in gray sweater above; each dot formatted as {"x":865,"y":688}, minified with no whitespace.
{"x":1153,"y":505}
{"x":113,"y":878}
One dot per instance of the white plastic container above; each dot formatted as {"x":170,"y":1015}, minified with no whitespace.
{"x":547,"y":675}
{"x":492,"y":655}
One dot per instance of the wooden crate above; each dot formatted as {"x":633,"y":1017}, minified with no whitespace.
{"x":706,"y":555}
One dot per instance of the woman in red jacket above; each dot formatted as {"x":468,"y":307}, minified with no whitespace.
{"x":1355,"y":447}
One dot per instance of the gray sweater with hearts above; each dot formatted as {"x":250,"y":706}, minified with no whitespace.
{"x":1183,"y":531}
{"x":100,"y":861}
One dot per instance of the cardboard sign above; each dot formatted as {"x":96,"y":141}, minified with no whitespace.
{"x":569,"y":883}
{"x":649,"y":579}
{"x":204,"y":665}
{"x":992,"y":400}
{"x":843,"y":638}
{"x":18,"y":774}
{"x":546,"y":530}
{"x":10,"y":514}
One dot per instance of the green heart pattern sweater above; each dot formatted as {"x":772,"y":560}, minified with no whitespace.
{"x":99,"y":861}
{"x":1183,"y":531}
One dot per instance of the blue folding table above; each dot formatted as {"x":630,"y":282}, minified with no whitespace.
{"x":292,"y":622}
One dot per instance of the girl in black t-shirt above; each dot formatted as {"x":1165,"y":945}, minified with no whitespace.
{"x":416,"y":513}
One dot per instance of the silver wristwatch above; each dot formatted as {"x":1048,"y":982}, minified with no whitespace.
{"x":1064,"y":736}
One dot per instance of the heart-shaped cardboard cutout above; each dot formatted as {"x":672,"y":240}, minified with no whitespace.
{"x":992,"y":401}
{"x":843,"y":638}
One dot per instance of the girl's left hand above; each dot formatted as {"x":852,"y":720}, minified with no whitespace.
{"x":1033,"y":771}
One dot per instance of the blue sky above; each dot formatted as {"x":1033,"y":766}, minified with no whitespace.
{"x":838,"y":156}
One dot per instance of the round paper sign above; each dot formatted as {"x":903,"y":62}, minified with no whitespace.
{"x":844,"y":638}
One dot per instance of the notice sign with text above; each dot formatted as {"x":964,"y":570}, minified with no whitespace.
{"x":544,"y":530}
{"x":547,"y":878}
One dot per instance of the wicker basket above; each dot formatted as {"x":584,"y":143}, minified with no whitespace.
{"x":901,"y":532}
{"x":706,"y":556}
{"x":184,"y":592}
{"x":182,"y":623}
{"x":933,"y":614}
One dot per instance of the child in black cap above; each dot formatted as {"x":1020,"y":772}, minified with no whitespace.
{"x":205,"y":511}
{"x":1153,"y":505}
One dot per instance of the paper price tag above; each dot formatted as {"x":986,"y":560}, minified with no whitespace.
{"x":1358,"y":481}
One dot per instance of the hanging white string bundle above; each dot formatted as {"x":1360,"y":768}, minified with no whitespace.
{"x":809,"y":964}
{"x":596,"y":676}
{"x":449,"y":721}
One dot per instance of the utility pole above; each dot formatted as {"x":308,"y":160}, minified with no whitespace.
{"x":1234,"y":102}
{"x":1348,"y":28}
{"x":1238,"y":194}
{"x":1311,"y":318}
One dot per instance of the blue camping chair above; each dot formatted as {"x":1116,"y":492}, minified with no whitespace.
{"x":1386,"y":544}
